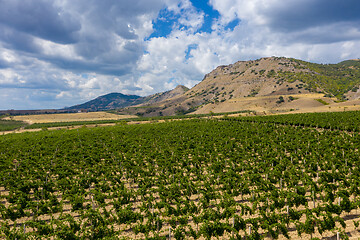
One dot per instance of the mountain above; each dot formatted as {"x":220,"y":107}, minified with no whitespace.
{"x":159,"y":97}
{"x":107,"y":102}
{"x":117,"y":100}
{"x":263,"y":85}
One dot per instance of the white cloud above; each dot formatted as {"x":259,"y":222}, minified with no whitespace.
{"x":52,"y":49}
{"x":248,"y":11}
{"x":8,"y":56}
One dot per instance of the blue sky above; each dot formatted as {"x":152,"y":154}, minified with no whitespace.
{"x":60,"y":53}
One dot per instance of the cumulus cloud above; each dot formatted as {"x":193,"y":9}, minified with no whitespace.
{"x":41,"y":19}
{"x":310,"y":21}
{"x":103,"y":35}
{"x":53,"y":39}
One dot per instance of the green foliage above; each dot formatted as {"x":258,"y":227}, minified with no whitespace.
{"x":281,"y":100}
{"x":253,"y":92}
{"x":328,"y":120}
{"x":322,"y":101}
{"x":354,"y":89}
{"x":271,"y":73}
{"x":336,"y":79}
{"x":356,"y":224}
{"x":8,"y":125}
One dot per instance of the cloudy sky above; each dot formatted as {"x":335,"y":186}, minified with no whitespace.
{"x":57,"y":53}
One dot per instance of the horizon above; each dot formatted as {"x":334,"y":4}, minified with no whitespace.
{"x":60,"y":53}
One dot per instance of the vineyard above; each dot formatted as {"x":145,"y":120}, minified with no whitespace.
{"x":8,"y":125}
{"x":230,"y":178}
{"x":348,"y":121}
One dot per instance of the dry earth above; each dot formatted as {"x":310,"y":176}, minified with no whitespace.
{"x":127,"y":232}
{"x":268,"y":104}
{"x":70,"y":117}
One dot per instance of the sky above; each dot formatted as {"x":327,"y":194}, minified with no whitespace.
{"x":57,"y":53}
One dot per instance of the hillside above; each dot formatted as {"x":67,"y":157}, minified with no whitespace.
{"x":337,"y":80}
{"x":159,"y":97}
{"x":107,"y":102}
{"x":264,"y":85}
{"x":117,"y":100}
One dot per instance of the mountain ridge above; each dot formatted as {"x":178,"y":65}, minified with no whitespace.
{"x":114,"y":100}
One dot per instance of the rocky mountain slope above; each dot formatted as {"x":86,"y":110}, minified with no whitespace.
{"x":265,"y":85}
{"x":159,"y":97}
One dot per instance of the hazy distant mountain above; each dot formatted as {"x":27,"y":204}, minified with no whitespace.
{"x":117,"y":100}
{"x":107,"y":102}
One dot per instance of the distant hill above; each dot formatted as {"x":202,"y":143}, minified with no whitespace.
{"x":117,"y":100}
{"x":107,"y":102}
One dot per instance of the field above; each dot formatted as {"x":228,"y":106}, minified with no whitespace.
{"x":301,"y":103}
{"x":70,"y":117}
{"x":8,"y":125}
{"x":50,"y":122}
{"x":289,"y":176}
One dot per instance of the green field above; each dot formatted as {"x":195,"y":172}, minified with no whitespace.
{"x":8,"y":125}
{"x":261,"y":177}
{"x":348,"y":121}
{"x":125,"y":120}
